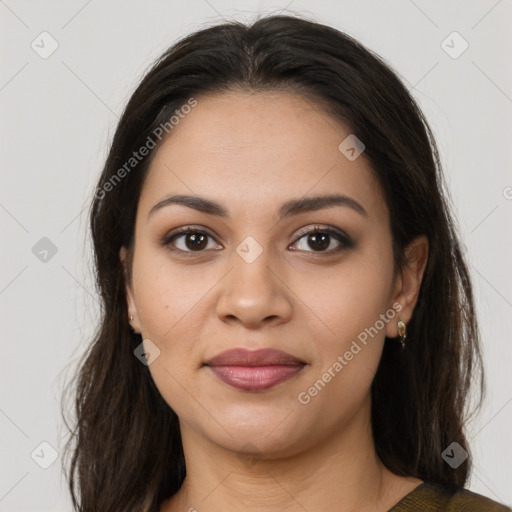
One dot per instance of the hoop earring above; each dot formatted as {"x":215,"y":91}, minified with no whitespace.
{"x":402,"y":333}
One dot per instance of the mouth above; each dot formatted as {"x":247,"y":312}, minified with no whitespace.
{"x":254,"y":370}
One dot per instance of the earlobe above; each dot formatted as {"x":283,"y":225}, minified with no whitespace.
{"x":408,"y":282}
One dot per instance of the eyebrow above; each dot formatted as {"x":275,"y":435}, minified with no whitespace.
{"x":289,"y":208}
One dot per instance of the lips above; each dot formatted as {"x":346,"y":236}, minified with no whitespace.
{"x":244,"y":357}
{"x":254,"y":370}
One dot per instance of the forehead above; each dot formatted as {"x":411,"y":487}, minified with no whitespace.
{"x":254,"y":151}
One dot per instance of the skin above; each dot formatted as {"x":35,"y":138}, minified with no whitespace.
{"x":266,"y":451}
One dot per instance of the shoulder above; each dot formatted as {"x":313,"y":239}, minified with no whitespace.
{"x":433,"y":497}
{"x":465,"y":500}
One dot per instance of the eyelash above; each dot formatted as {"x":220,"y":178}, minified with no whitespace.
{"x":344,"y":240}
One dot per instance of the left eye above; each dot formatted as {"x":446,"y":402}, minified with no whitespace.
{"x":320,"y":240}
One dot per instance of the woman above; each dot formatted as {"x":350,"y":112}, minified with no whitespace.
{"x":288,"y":320}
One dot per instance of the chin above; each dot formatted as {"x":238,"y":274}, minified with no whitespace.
{"x":267,"y":429}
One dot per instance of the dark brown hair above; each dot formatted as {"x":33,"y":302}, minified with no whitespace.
{"x":127,"y":452}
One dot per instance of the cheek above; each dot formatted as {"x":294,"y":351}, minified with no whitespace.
{"x":168,"y":301}
{"x":346,"y":299}
{"x":351,"y":301}
{"x":164,"y":294}
{"x":349,"y":352}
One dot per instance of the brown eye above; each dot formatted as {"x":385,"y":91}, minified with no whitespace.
{"x":188,"y":240}
{"x":196,"y":241}
{"x":319,"y":240}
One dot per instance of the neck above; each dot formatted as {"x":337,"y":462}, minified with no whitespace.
{"x":341,"y":473}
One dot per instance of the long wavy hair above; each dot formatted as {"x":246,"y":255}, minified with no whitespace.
{"x":125,"y":444}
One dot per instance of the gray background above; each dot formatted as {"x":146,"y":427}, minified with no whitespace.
{"x":58,"y":115}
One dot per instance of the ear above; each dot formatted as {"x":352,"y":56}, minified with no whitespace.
{"x":408,"y":282}
{"x":130,"y":298}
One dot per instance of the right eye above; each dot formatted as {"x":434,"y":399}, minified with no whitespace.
{"x":187,"y":240}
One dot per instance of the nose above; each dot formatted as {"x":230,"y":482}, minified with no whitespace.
{"x":255,"y":293}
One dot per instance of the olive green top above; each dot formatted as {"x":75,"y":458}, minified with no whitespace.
{"x":431,"y":497}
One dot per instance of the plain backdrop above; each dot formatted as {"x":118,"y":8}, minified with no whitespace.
{"x":58,"y":115}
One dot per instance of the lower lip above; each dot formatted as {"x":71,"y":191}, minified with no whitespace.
{"x":255,"y":378}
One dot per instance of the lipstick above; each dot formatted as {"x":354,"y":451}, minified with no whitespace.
{"x":254,"y":370}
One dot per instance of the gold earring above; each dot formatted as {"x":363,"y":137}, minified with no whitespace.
{"x":402,"y":332}
{"x":131,"y":318}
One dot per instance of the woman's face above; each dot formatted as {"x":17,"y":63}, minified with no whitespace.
{"x":253,"y":278}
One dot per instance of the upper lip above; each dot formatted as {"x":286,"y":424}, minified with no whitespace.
{"x":245,"y":357}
